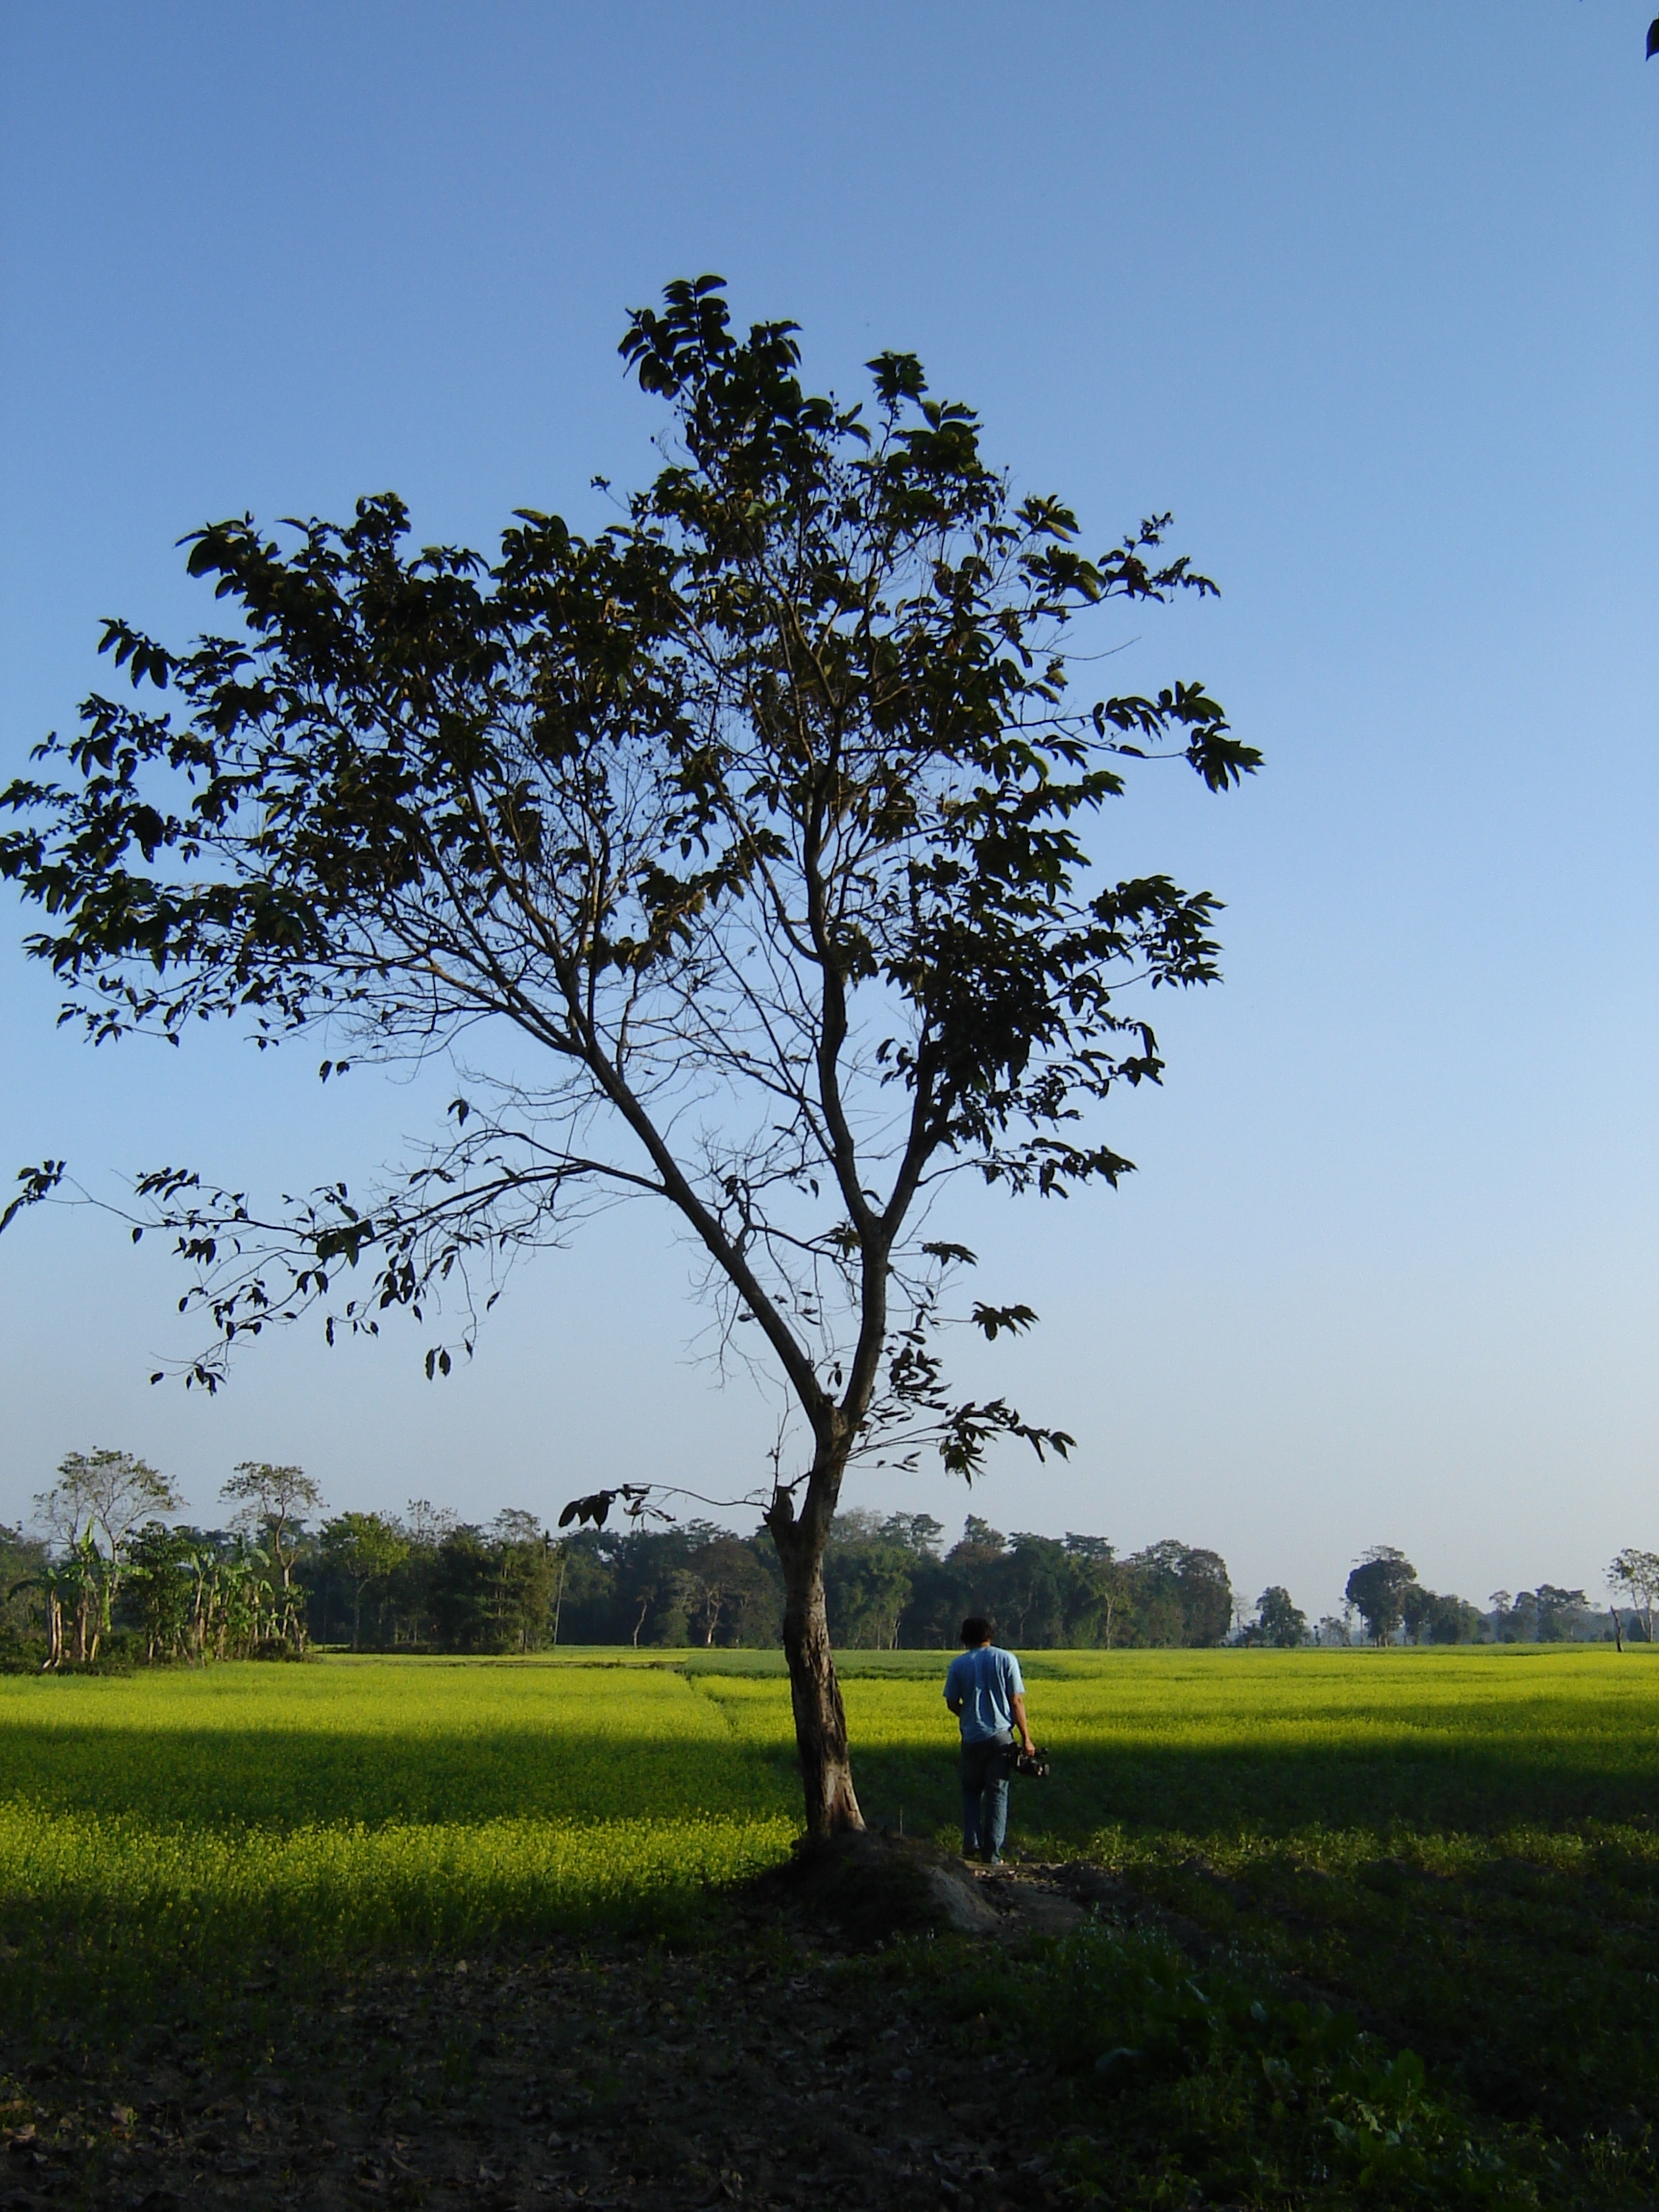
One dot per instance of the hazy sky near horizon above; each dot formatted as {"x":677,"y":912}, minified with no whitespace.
{"x":1366,"y":296}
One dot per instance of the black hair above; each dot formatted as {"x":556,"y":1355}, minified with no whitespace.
{"x":976,"y":1630}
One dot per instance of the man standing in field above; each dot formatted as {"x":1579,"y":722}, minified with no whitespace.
{"x":983,"y":1688}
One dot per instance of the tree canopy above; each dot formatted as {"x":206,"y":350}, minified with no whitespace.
{"x":1378,"y":1586}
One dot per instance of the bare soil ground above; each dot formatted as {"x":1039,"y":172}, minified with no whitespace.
{"x":769,"y":2069}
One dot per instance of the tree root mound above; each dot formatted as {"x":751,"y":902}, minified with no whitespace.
{"x":866,"y":1888}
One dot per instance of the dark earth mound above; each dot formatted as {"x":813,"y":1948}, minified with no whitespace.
{"x":869,"y":1888}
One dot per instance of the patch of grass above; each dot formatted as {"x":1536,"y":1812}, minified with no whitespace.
{"x":1520,"y":1964}
{"x":1164,"y":2087}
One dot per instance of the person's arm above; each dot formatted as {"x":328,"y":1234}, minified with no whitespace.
{"x":954,"y":1704}
{"x":1018,"y":1702}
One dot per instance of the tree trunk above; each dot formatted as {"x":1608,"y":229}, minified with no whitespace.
{"x":820,"y":1718}
{"x":293,"y":1628}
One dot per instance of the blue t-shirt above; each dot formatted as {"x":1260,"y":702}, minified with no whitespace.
{"x":987,"y":1681}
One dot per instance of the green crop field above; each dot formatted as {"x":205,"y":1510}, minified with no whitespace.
{"x":428,"y":1802}
{"x":1460,"y":1846}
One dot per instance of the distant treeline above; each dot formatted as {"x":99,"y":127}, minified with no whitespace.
{"x":427,"y":1581}
{"x":116,"y":1576}
{"x":891,"y":1585}
{"x":421,"y":1584}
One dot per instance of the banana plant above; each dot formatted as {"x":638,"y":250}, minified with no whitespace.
{"x":56,"y":1584}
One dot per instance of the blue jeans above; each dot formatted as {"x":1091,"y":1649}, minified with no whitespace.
{"x":985,"y":1771}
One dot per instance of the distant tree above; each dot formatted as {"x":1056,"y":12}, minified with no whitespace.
{"x":978,"y":1547}
{"x":247,"y":1609}
{"x":202,"y":1595}
{"x":585,"y":1591}
{"x":649,"y":1588}
{"x":514,"y":1525}
{"x":1182,"y":1593}
{"x":918,"y":1533}
{"x":1278,"y":1621}
{"x":771,"y":796}
{"x":61,"y":1586}
{"x":161,"y":1567}
{"x":1100,"y":1603}
{"x":367,"y":1549}
{"x":525,"y":1573}
{"x":1558,"y":1612}
{"x":1636,"y":1573}
{"x":462,"y":1592}
{"x":1512,"y":1617}
{"x":1378,"y":1587}
{"x":512,"y":1587}
{"x":727,"y":1593}
{"x":93,"y":1507}
{"x":1428,"y":1617}
{"x":1035,"y":1584}
{"x":427,"y":1524}
{"x":275,"y":1502}
{"x":869,"y":1576}
{"x":407,"y":1598}
{"x":1546,"y":1614}
{"x":22,"y":1558}
{"x":1207,"y":1596}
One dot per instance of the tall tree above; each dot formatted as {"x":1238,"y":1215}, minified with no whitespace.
{"x":724,"y":1589}
{"x":1378,"y":1587}
{"x":1101,"y":1602}
{"x":1189,"y":1586}
{"x":526,"y":1575}
{"x":1279,"y":1621}
{"x":1557,"y":1612}
{"x":744,"y":840}
{"x":367,"y":1548}
{"x":162,"y":1564}
{"x":277,"y":1502}
{"x":1442,"y":1618}
{"x":1637,"y":1572}
{"x":22,"y":1561}
{"x":98,"y":1500}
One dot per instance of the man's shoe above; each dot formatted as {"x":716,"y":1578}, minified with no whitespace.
{"x":995,"y":1860}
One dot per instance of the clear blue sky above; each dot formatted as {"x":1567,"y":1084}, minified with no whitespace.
{"x":1366,"y":294}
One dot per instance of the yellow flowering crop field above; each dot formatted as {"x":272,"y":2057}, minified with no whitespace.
{"x":386,"y":1803}
{"x":348,"y":1807}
